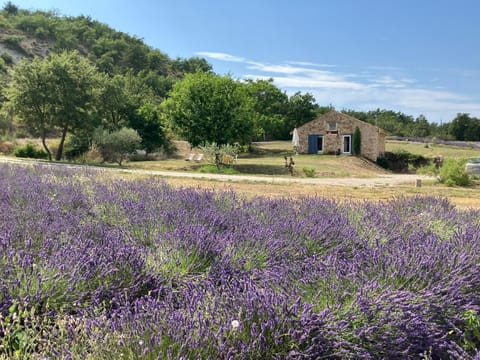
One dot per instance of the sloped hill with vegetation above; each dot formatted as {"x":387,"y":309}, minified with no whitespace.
{"x":26,"y":33}
{"x":127,"y":78}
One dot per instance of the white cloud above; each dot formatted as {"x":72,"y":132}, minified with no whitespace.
{"x":272,"y":68}
{"x":391,"y":82}
{"x":385,"y":87}
{"x":435,"y":104}
{"x":301,"y":77}
{"x":220,"y":56}
{"x":306,"y":63}
{"x":382,"y":68}
{"x":309,"y":82}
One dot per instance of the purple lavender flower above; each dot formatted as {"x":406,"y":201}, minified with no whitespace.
{"x":103,"y":267}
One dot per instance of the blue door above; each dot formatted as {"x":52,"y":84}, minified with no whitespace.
{"x":312,"y":144}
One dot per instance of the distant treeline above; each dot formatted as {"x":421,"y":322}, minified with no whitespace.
{"x":463,"y":127}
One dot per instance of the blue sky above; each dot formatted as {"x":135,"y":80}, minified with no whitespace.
{"x":414,"y":56}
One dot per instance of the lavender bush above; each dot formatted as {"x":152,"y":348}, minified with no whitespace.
{"x":98,"y":268}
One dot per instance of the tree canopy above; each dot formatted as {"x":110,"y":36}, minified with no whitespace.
{"x":270,"y":106}
{"x":205,"y":107}
{"x":465,"y":127}
{"x":56,"y":94}
{"x":302,"y":108}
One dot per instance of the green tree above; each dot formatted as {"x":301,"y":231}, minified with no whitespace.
{"x":420,"y":127}
{"x":473,"y":130}
{"x":126,"y":100}
{"x":270,"y":106}
{"x":10,"y":9}
{"x":113,"y":102}
{"x":465,"y":128}
{"x":393,"y":123}
{"x":147,"y":122}
{"x":159,"y":84}
{"x":301,"y":109}
{"x":192,"y":65}
{"x":29,"y":98}
{"x":204,"y":107}
{"x":134,"y":57}
{"x":159,"y":62}
{"x":67,"y":36}
{"x":357,"y":141}
{"x":74,"y":84}
{"x":57,"y":94}
{"x":458,"y":127}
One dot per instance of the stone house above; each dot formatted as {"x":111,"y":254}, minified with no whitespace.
{"x":332,"y":133}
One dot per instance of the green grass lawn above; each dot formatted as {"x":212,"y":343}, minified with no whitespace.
{"x":268,"y":158}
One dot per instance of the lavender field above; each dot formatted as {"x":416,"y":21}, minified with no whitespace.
{"x":99,"y":268}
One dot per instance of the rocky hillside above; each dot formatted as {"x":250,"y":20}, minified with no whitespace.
{"x":16,"y":45}
{"x":26,"y":33}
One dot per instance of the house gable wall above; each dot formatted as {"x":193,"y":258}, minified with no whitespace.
{"x":372,"y":143}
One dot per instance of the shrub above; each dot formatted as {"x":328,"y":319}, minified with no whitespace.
{"x":6,"y":147}
{"x":92,"y":156}
{"x":116,"y":146}
{"x":453,"y":173}
{"x":223,"y":154}
{"x":76,"y":146}
{"x":383,"y":162}
{"x":429,"y":169}
{"x":402,"y":161}
{"x":7,"y":58}
{"x":309,"y":172}
{"x":13,"y":41}
{"x":30,"y":151}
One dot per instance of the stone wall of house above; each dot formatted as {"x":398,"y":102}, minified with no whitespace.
{"x":331,"y":143}
{"x":373,"y":138}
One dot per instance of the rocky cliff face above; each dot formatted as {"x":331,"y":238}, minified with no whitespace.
{"x":19,"y":45}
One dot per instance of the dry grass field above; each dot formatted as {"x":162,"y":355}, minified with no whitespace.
{"x":463,"y":198}
{"x":269,"y":155}
{"x":268,"y":159}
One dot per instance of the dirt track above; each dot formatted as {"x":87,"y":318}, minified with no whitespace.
{"x":381,"y":180}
